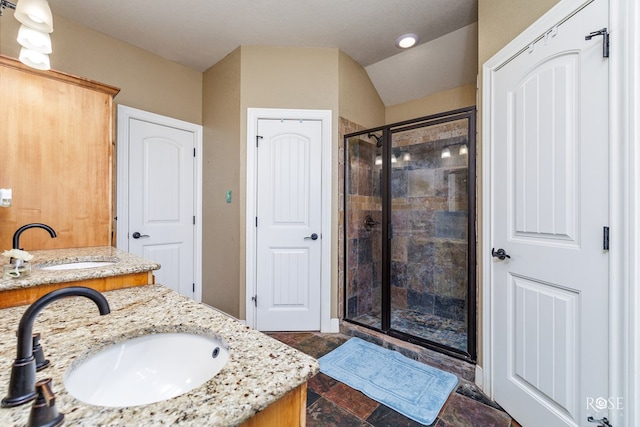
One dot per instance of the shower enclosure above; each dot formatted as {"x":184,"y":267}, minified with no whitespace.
{"x":409,"y":231}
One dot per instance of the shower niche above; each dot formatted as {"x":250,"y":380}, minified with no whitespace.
{"x":409,"y":235}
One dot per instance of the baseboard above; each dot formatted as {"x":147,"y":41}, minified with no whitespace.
{"x":479,"y":377}
{"x":335,"y":325}
{"x":332,"y":327}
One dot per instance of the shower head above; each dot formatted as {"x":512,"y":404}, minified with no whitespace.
{"x":377,"y":138}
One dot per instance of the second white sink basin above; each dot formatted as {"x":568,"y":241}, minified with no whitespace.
{"x":78,"y":265}
{"x":147,"y":369}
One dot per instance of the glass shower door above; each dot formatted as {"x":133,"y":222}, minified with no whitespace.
{"x":429,"y":216}
{"x":409,"y":231}
{"x":363,"y":231}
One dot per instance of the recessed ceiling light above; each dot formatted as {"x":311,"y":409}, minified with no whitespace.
{"x":406,"y":41}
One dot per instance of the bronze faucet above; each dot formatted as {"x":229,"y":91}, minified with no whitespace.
{"x":16,"y":235}
{"x":22,"y":385}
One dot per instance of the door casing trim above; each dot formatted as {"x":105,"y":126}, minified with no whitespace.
{"x":325,"y":116}
{"x":125,"y":114}
{"x":624,"y":297}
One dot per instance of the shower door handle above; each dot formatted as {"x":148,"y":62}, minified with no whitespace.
{"x":314,"y":236}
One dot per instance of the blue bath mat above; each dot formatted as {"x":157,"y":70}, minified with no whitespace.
{"x":413,"y":389}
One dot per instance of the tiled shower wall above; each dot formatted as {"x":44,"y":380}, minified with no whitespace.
{"x":364,"y":250}
{"x":429,"y":217}
{"x":345,"y":127}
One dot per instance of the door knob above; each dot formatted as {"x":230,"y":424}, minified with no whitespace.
{"x":314,"y":236}
{"x":500,"y":253}
{"x":137,"y":235}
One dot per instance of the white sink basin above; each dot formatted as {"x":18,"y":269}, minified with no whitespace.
{"x":78,"y":265}
{"x":147,"y":369}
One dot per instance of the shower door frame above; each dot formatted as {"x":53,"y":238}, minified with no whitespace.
{"x":469,"y":114}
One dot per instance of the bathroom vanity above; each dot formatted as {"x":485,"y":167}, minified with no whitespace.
{"x":262,"y":384}
{"x":126,"y":270}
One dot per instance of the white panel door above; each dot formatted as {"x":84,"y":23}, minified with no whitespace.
{"x":161,"y":201}
{"x":288,"y":225}
{"x":550,"y":182}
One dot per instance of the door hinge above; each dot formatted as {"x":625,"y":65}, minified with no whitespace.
{"x":255,"y":300}
{"x":194,"y":220}
{"x":194,"y":152}
{"x":256,"y":221}
{"x":194,"y":287}
{"x":605,"y":40}
{"x":258,"y":138}
{"x":605,"y":238}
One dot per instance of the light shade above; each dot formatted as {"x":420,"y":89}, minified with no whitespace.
{"x":445,"y":153}
{"x":34,"y":40}
{"x":406,"y":41}
{"x":463,"y":150}
{"x":35,"y":14}
{"x":33,"y":59}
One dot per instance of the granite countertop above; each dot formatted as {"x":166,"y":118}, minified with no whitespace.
{"x":125,"y":263}
{"x":260,"y":369}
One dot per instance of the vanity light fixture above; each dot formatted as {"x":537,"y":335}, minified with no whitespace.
{"x":33,"y":35}
{"x":463,"y":150}
{"x":34,"y":59}
{"x":35,"y":14}
{"x":34,"y":40}
{"x":406,"y":41}
{"x":446,"y":153}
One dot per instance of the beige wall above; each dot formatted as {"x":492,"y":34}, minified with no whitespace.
{"x":500,"y":21}
{"x":250,"y":77}
{"x":359,"y":101}
{"x":146,"y":80}
{"x":447,"y":100}
{"x":221,"y":172}
{"x":266,"y":77}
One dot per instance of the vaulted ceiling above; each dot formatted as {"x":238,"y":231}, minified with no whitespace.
{"x":199,"y":33}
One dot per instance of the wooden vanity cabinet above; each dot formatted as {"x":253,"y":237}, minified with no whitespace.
{"x":56,"y":154}
{"x":289,"y":411}
{"x":24,"y":296}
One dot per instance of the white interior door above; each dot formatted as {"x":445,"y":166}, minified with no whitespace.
{"x":288,"y":238}
{"x":550,"y":183}
{"x":162,"y":201}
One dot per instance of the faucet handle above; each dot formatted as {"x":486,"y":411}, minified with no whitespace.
{"x":38,"y":353}
{"x":44,"y":411}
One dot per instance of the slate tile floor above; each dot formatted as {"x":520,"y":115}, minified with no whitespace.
{"x":331,"y":403}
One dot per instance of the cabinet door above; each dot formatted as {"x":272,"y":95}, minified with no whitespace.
{"x":56,"y":155}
